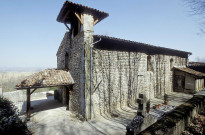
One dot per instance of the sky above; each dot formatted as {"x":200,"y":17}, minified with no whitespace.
{"x":30,"y":35}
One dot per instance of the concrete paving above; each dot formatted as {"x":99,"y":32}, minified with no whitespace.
{"x":49,"y":117}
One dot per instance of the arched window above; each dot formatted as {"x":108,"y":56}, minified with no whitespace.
{"x":66,"y":61}
{"x":171,"y":63}
{"x":149,"y":63}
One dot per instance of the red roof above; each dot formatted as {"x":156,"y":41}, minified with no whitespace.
{"x":46,"y":78}
{"x":190,"y":71}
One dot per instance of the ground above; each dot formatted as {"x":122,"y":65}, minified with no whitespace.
{"x":197,"y":127}
{"x":50,"y":117}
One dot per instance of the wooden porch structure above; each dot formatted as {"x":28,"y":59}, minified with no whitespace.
{"x":44,"y":79}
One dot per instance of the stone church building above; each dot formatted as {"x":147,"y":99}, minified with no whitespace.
{"x":109,"y":73}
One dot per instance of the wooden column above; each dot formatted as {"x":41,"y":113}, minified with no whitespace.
{"x":28,"y":103}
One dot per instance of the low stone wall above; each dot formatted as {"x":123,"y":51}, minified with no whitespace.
{"x":176,"y":121}
{"x":18,"y":98}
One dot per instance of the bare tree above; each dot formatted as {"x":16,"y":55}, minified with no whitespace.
{"x":198,"y":8}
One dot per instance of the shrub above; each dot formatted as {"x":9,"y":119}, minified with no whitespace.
{"x":10,"y":123}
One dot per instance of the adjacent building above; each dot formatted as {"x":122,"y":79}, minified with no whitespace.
{"x":188,"y":80}
{"x":198,"y":66}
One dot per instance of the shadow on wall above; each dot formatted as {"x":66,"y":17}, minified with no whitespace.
{"x":119,"y":85}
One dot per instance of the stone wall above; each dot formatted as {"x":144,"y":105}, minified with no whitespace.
{"x":77,"y":70}
{"x":118,"y":78}
{"x":18,"y":98}
{"x":176,"y":121}
{"x":75,"y":51}
{"x":199,"y":84}
{"x":78,"y":49}
{"x":64,"y":47}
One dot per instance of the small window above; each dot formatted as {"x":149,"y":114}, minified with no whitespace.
{"x":171,"y":63}
{"x":76,"y":27}
{"x":149,"y":63}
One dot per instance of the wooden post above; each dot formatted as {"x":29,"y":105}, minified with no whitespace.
{"x":28,"y":104}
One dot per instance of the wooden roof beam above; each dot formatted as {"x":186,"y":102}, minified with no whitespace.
{"x":66,"y":15}
{"x":96,"y":21}
{"x":80,"y":17}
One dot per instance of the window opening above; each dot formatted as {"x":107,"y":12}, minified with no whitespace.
{"x":149,"y":63}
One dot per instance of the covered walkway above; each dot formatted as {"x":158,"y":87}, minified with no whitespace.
{"x":44,"y":79}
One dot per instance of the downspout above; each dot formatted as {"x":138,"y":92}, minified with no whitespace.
{"x":91,"y":46}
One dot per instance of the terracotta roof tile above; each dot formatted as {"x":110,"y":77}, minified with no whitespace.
{"x":190,"y":71}
{"x":46,"y":78}
{"x":80,"y":8}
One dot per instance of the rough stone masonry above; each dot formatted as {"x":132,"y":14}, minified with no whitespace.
{"x":121,"y":69}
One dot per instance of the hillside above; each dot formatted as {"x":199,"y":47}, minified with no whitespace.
{"x":8,"y":80}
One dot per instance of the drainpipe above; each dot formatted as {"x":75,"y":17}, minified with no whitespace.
{"x":91,"y":46}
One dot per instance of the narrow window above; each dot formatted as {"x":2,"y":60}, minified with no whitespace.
{"x":149,"y":63}
{"x":171,"y":63}
{"x":66,"y":61}
{"x":76,"y":27}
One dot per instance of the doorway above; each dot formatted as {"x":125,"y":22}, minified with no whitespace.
{"x":68,"y":93}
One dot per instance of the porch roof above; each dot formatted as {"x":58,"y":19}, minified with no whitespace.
{"x":190,"y":71}
{"x":46,"y":78}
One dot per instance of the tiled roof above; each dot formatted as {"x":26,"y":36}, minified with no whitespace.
{"x":46,"y":78}
{"x":196,"y":64}
{"x":127,"y":45}
{"x":190,"y":71}
{"x":80,"y":8}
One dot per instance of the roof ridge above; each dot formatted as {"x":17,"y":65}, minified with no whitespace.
{"x":81,"y":8}
{"x":192,"y":71}
{"x":131,"y":41}
{"x":46,"y":78}
{"x":67,"y":1}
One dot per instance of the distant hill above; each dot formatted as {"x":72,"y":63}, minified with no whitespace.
{"x":9,"y":80}
{"x":21,"y":69}
{"x":9,"y":77}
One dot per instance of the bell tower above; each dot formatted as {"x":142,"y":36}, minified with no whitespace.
{"x":80,"y":21}
{"x":80,"y":18}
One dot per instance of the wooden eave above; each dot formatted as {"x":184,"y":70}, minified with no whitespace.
{"x":117,"y":44}
{"x":191,"y":74}
{"x":34,"y":87}
{"x":78,"y":10}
